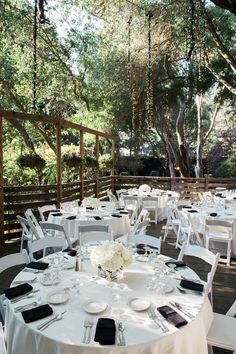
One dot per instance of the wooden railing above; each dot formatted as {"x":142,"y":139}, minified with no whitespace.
{"x":18,"y":199}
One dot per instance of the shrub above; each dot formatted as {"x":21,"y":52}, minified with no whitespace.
{"x":30,"y":161}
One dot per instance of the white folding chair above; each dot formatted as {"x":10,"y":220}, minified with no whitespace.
{"x":54,"y":243}
{"x":69,"y":206}
{"x":9,"y":261}
{"x":219,"y":231}
{"x":45,"y":209}
{"x":154,"y":242}
{"x":95,"y":232}
{"x":2,"y":341}
{"x":206,"y":255}
{"x":207,"y":197}
{"x":141,"y":227}
{"x":151,"y":204}
{"x":131,"y":204}
{"x":143,"y":215}
{"x":222,"y":331}
{"x":27,"y":234}
{"x":172,"y":222}
{"x":33,"y":223}
{"x":112,"y":198}
{"x":57,"y":230}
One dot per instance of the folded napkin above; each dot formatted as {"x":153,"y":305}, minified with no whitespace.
{"x":116,"y":216}
{"x":189,"y":284}
{"x":172,"y":316}
{"x":192,"y":211}
{"x":37,"y":313}
{"x":222,"y":196}
{"x":89,"y":208}
{"x":105,"y":331}
{"x":18,"y":290}
{"x":72,"y":217}
{"x":213,"y":214}
{"x":55,"y":211}
{"x":56,"y":214}
{"x":124,"y":212}
{"x":37,"y":265}
{"x":178,"y":264}
{"x":97,"y":217}
{"x":186,"y":207}
{"x":119,"y":208}
{"x":70,"y":251}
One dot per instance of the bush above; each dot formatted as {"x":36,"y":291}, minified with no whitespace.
{"x":227,"y":169}
{"x":91,"y":162}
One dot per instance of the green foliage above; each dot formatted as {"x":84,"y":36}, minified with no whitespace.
{"x":90,"y":162}
{"x":227,"y":168}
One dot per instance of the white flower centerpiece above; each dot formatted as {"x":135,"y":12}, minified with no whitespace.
{"x":110,"y":257}
{"x":91,"y":202}
{"x":144,"y":188}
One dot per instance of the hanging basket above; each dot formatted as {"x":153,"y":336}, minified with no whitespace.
{"x":91,"y":162}
{"x":30,"y":161}
{"x":72,"y":160}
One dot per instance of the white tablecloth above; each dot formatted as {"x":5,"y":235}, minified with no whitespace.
{"x":142,"y":335}
{"x":118,"y":226}
{"x":162,"y":198}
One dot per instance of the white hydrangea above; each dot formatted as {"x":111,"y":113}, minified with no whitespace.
{"x":111,"y":256}
{"x":91,"y":202}
{"x":145,"y":188}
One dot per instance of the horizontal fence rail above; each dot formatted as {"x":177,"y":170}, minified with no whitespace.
{"x":18,"y":199}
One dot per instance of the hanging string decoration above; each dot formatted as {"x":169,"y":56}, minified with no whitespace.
{"x":39,"y":18}
{"x":132,"y":82}
{"x":149,"y":100}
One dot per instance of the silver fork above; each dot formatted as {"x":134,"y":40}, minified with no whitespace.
{"x":51,"y":321}
{"x":153,"y":316}
{"x":85,"y":330}
{"x":90,"y":326}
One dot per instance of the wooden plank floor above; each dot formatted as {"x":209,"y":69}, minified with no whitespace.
{"x":224,"y":287}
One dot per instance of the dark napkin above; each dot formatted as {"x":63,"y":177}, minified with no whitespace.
{"x":18,"y":290}
{"x":56,"y":214}
{"x":186,"y":207}
{"x":189,"y":284}
{"x":105,"y":331}
{"x":37,"y":265}
{"x":192,"y":211}
{"x":213,"y":214}
{"x":70,"y":251}
{"x":37,"y":313}
{"x":172,"y":316}
{"x":178,"y":264}
{"x":124,"y":212}
{"x":89,"y":208}
{"x":222,"y":196}
{"x":72,"y":217}
{"x":55,"y":211}
{"x":97,"y":217}
{"x":116,"y":216}
{"x":119,"y":208}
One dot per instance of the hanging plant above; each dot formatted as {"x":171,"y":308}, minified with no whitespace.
{"x":105,"y":162}
{"x":30,"y":161}
{"x":91,"y":162}
{"x":72,"y":160}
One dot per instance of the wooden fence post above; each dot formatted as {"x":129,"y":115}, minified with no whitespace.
{"x":97,"y":169}
{"x":81,"y":146}
{"x":2,"y":237}
{"x":59,"y":167}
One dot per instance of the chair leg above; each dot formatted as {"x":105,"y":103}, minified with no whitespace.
{"x":210,"y":349}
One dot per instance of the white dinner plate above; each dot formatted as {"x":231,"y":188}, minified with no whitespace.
{"x":138,"y":304}
{"x":94,"y":306}
{"x":68,"y":264}
{"x":168,"y":288}
{"x":57,"y":297}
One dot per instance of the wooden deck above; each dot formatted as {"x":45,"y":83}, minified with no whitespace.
{"x":224,"y":287}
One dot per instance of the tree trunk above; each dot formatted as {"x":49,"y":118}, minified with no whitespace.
{"x":198,"y":167}
{"x":183,"y":158}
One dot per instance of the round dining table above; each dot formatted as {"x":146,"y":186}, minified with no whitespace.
{"x":142,"y":334}
{"x":117,"y":220}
